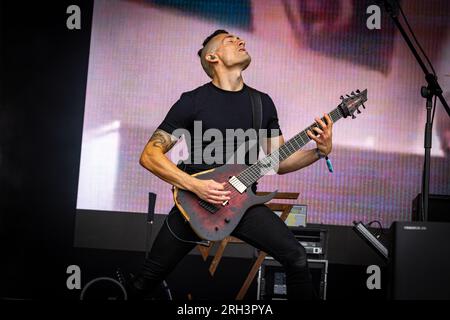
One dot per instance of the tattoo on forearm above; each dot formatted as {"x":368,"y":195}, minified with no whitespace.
{"x":163,"y":140}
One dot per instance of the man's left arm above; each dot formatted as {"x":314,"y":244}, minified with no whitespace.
{"x":304,"y":158}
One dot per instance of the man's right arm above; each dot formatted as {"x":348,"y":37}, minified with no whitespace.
{"x":153,"y":158}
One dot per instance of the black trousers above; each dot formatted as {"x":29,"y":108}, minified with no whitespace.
{"x":259,"y":227}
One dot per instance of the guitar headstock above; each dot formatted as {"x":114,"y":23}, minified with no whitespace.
{"x":351,"y":103}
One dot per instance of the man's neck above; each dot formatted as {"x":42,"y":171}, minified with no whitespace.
{"x":230,"y":81}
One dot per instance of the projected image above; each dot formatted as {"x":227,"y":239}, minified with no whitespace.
{"x":305,"y":55}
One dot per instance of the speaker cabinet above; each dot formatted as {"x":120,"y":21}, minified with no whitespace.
{"x":438,"y":208}
{"x":419,"y":266}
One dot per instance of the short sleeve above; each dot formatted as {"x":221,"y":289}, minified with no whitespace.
{"x":180,"y":115}
{"x":270,"y":117}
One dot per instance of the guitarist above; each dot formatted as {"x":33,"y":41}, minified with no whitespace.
{"x":224,"y":103}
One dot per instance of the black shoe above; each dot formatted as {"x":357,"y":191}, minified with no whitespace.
{"x":128,"y":281}
{"x":139,"y":288}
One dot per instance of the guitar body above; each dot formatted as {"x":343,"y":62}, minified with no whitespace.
{"x":215,"y":222}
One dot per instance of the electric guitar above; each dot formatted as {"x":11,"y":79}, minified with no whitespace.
{"x":215,"y":222}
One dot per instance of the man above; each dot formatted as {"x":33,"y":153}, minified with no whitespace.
{"x":222,"y":104}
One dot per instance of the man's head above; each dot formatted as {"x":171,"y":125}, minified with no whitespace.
{"x":223,"y":51}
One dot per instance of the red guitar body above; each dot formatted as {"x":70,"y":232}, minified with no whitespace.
{"x":215,"y":222}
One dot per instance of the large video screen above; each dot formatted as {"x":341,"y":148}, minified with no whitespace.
{"x":305,"y":55}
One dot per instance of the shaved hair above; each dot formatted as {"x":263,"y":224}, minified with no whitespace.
{"x":207,"y":46}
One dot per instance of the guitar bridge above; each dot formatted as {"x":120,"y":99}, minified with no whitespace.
{"x":208,"y":206}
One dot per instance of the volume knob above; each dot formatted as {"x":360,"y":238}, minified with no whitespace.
{"x":227,"y":220}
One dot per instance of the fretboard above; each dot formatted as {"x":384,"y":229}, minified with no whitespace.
{"x":272,"y":160}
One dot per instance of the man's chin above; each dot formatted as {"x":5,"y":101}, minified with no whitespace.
{"x":246,"y":63}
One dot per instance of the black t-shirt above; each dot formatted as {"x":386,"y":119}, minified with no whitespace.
{"x":208,"y":115}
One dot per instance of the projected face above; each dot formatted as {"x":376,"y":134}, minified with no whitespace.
{"x":230,"y":52}
{"x":445,"y":142}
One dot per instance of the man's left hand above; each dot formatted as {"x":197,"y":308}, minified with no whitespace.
{"x":323,"y":138}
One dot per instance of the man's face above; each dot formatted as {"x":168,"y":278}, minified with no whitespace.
{"x":231,"y":51}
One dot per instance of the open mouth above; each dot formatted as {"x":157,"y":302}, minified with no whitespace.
{"x":242,"y":49}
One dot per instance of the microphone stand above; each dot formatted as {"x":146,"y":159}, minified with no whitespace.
{"x":428,"y":92}
{"x":150,"y":220}
{"x":148,"y":235}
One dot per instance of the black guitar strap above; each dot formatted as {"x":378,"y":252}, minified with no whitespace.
{"x":255,"y":98}
{"x":256,"y":102}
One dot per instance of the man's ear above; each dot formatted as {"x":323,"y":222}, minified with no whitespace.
{"x":211,"y":57}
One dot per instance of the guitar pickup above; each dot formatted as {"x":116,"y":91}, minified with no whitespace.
{"x":237,"y":184}
{"x":208,"y":206}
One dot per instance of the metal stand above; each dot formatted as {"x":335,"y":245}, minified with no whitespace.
{"x":148,"y":236}
{"x":150,"y":219}
{"x":432,"y":89}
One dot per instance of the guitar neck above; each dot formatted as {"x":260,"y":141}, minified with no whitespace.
{"x":272,"y":160}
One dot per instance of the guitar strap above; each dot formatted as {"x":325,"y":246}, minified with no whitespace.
{"x":256,"y":102}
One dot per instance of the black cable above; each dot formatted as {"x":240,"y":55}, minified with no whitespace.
{"x":415,"y":39}
{"x":202,"y":243}
{"x":377,"y":235}
{"x":434,"y":110}
{"x":422,"y":202}
{"x":375,"y":221}
{"x":422,"y":198}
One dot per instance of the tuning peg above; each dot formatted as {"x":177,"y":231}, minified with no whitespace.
{"x":357,"y":91}
{"x":353,"y":116}
{"x":357,"y":110}
{"x":342,"y":97}
{"x":353,"y":93}
{"x":363,"y":105}
{"x":347,"y":95}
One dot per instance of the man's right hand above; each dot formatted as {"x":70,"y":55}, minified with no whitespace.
{"x":210,"y":191}
{"x":153,"y":158}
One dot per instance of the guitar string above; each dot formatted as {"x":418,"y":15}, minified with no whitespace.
{"x":234,"y":192}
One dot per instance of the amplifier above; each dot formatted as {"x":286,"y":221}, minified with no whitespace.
{"x":271,"y":279}
{"x":419,"y":261}
{"x":313,"y":239}
{"x":438,"y":208}
{"x":312,"y":248}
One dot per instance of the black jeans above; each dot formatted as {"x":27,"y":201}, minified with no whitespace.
{"x":259,"y":227}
